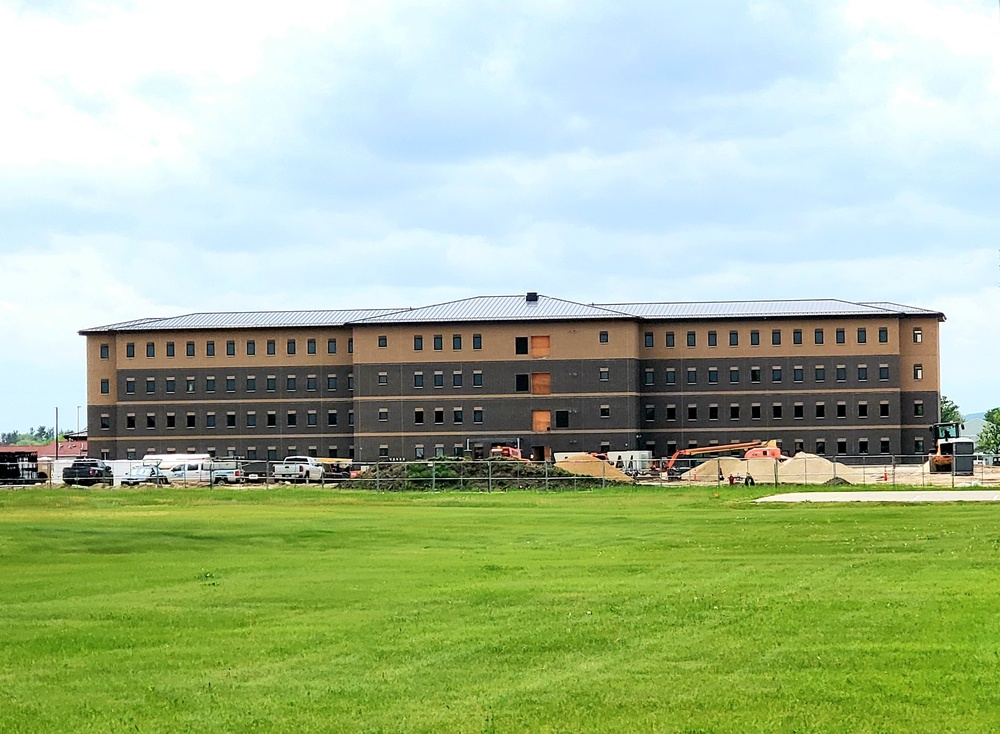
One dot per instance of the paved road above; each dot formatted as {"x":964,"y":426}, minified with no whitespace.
{"x":955,"y":495}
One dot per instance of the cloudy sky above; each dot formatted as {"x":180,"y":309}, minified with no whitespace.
{"x":162,"y":158}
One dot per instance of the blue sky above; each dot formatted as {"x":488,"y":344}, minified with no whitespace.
{"x":161,"y":158}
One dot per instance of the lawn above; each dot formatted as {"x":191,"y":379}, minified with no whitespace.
{"x":671,"y":610}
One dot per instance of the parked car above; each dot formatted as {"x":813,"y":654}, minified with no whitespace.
{"x":145,"y":475}
{"x":298,"y":469}
{"x":88,"y":472}
{"x":228,"y":472}
{"x":192,"y":472}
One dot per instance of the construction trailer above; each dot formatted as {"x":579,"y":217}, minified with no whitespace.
{"x":20,"y":467}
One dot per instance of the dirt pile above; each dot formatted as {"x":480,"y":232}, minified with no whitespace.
{"x":806,"y":468}
{"x":590,"y":466}
{"x":803,"y":468}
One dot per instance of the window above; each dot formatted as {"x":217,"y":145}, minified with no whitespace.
{"x":210,"y":420}
{"x":918,"y":335}
{"x":418,"y":416}
{"x":734,"y":338}
{"x":603,"y":374}
{"x":862,"y":335}
{"x":191,"y":420}
{"x":841,"y":373}
{"x":796,"y":336}
{"x":521,"y":383}
{"x":105,"y":422}
{"x":918,"y":445}
{"x":776,"y":374}
{"x":820,"y":446}
{"x":713,"y":339}
{"x":350,"y":380}
{"x":883,"y":335}
{"x":862,"y":372}
{"x":272,"y":419}
{"x":170,"y":384}
{"x":649,"y":413}
{"x":150,"y":385}
{"x":331,"y":382}
{"x":350,"y":345}
{"x":713,"y":412}
{"x":331,"y":346}
{"x":290,"y":383}
{"x":670,"y":339}
{"x":862,"y":410}
{"x":798,"y":411}
{"x":671,"y":412}
{"x":331,"y":417}
{"x":821,"y":410}
{"x":290,"y":346}
{"x":648,"y":339}
{"x":189,"y":385}
{"x":883,"y":372}
{"x":841,"y":410}
{"x":605,"y":411}
{"x":477,"y":341}
{"x":310,"y":346}
{"x":418,"y":343}
{"x":671,"y":376}
{"x":272,"y":347}
{"x":130,"y":420}
{"x":251,"y":347}
{"x":230,"y":420}
{"x":755,"y":411}
{"x":210,"y":348}
{"x":691,"y":339}
{"x":540,"y":346}
{"x":755,"y":374}
{"x":648,"y":378}
{"x":439,"y":343}
{"x":477,"y":415}
{"x":841,"y":446}
{"x":418,"y":379}
{"x":541,"y":383}
{"x":438,"y":416}
{"x":918,"y":372}
{"x":520,"y":345}
{"x":776,"y":411}
{"x":754,"y":338}
{"x":713,"y":375}
{"x":150,"y":420}
{"x":383,"y":414}
{"x":456,"y":379}
{"x":271,"y":383}
{"x":602,"y":337}
{"x":105,"y":387}
{"x":130,"y":349}
{"x":105,"y":351}
{"x":292,"y":418}
{"x":692,"y":376}
{"x":734,"y":374}
{"x":383,"y":341}
{"x":457,"y":417}
{"x":776,"y":337}
{"x":883,"y":409}
{"x":383,"y":378}
{"x":311,"y":383}
{"x":562,"y":419}
{"x":918,"y":408}
{"x":818,"y":336}
{"x":439,"y":379}
{"x":692,"y":412}
{"x":798,"y":374}
{"x":230,"y":384}
{"x":230,"y":348}
{"x":130,"y":385}
{"x":251,"y":419}
{"x":820,"y":373}
{"x":884,"y":446}
{"x":841,"y":337}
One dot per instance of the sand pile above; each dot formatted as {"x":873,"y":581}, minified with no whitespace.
{"x":806,"y":468}
{"x":591,"y":466}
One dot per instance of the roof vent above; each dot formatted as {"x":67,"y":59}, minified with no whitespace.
{"x":532,"y":297}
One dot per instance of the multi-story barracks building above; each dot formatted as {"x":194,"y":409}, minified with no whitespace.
{"x":826,"y":376}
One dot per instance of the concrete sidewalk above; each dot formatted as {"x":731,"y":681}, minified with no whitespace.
{"x":964,"y":495}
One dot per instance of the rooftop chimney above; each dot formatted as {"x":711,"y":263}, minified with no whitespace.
{"x":532,"y":297}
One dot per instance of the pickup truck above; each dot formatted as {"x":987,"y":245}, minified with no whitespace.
{"x":298,"y":468}
{"x":87,"y":472}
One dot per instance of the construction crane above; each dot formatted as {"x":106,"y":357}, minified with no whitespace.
{"x":755,"y":450}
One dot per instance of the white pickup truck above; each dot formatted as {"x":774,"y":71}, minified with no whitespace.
{"x":298,"y":469}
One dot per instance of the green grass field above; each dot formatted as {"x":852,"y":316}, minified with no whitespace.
{"x":301,"y":610}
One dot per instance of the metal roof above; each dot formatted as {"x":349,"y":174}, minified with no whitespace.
{"x":516,"y":308}
{"x":244,"y":320}
{"x":499,"y":308}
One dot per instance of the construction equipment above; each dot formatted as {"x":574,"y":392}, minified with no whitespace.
{"x":755,"y":450}
{"x":953,"y":453}
{"x":507,"y":452}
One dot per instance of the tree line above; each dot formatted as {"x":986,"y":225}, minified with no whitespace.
{"x":31,"y":437}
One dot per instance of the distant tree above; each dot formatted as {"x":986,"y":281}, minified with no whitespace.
{"x":989,"y":436}
{"x":949,"y":411}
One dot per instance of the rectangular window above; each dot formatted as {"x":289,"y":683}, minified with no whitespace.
{"x":456,"y":379}
{"x":918,"y":372}
{"x":918,"y":335}
{"x":439,"y":379}
{"x":862,"y":372}
{"x":884,"y":446}
{"x":210,"y":420}
{"x":251,"y":419}
{"x":649,"y":413}
{"x":383,"y":341}
{"x":290,"y":346}
{"x":755,"y":411}
{"x":671,"y":376}
{"x":713,"y":375}
{"x":862,"y":410}
{"x":541,"y":383}
{"x":540,"y":346}
{"x":918,"y":409}
{"x":713,"y":412}
{"x":456,"y":342}
{"x":383,"y":378}
{"x":755,"y":374}
{"x":272,"y":419}
{"x":331,"y":382}
{"x":776,"y":337}
{"x":290,"y":383}
{"x":350,"y":380}
{"x":130,"y":349}
{"x":209,"y":384}
{"x":820,"y":446}
{"x":189,"y":385}
{"x":820,"y":373}
{"x":150,"y":385}
{"x":841,"y":446}
{"x":603,"y":374}
{"x":310,"y":346}
{"x":648,"y":377}
{"x":105,"y":351}
{"x":477,"y":341}
{"x":477,"y":415}
{"x":521,"y":383}
{"x":438,"y":416}
{"x":798,"y":411}
{"x":692,"y":376}
{"x":821,"y":410}
{"x":171,"y":420}
{"x":271,"y":383}
{"x":230,"y":384}
{"x":692,"y":412}
{"x":418,"y":342}
{"x":150,"y":420}
{"x":383,"y":414}
{"x":129,"y":386}
{"x":291,"y":418}
{"x":691,"y":339}
{"x":883,"y":372}
{"x":648,"y":339}
{"x":230,"y":348}
{"x":602,"y":337}
{"x":796,"y":336}
{"x":418,"y":416}
{"x":520,"y":345}
{"x":670,"y":339}
{"x":883,"y":335}
{"x":841,"y":337}
{"x":776,"y":374}
{"x":754,"y":338}
{"x":170,"y":384}
{"x":105,"y":387}
{"x":418,"y":379}
{"x":230,"y":420}
{"x":713,"y":339}
{"x":251,"y":348}
{"x":798,"y":374}
{"x":818,"y":336}
{"x":541,"y":420}
{"x":210,"y":348}
{"x":734,"y":338}
{"x":189,"y":349}
{"x":605,"y":411}
{"x":311,"y":382}
{"x":272,"y":347}
{"x":918,"y":445}
{"x":562,"y":419}
{"x":734,"y":375}
{"x":170,"y":349}
{"x":350,"y":345}
{"x":862,"y":335}
{"x":776,"y":411}
{"x":457,"y":416}
{"x":841,"y":373}
{"x":883,"y":409}
{"x":671,"y":412}
{"x":331,"y":346}
{"x":841,"y":410}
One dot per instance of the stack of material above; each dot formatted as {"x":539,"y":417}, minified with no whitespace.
{"x":762,"y":470}
{"x":591,"y":466}
{"x":806,"y":468}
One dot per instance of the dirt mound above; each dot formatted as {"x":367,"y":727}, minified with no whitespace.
{"x":591,"y":466}
{"x":806,"y":468}
{"x":803,"y":468}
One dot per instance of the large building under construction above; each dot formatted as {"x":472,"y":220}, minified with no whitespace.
{"x":825,"y":376}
